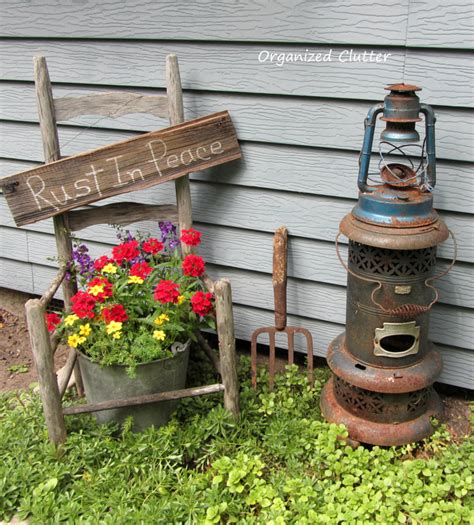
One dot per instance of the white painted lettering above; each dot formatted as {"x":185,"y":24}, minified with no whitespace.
{"x":155,"y":159}
{"x":37,"y":194}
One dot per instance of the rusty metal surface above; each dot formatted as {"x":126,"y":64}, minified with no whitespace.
{"x":279,"y":280}
{"x":394,"y":238}
{"x":382,"y":408}
{"x":375,"y":275}
{"x":271,"y":331}
{"x":395,"y":380}
{"x":383,"y":434}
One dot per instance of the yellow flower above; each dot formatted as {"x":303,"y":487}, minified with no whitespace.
{"x":159,"y":335}
{"x":85,"y":329}
{"x":70,"y":319}
{"x":181,"y":299}
{"x":161,"y":319}
{"x":134,"y":279}
{"x":96,"y":289}
{"x":74,"y":340}
{"x":113,"y":326}
{"x":109,"y":268}
{"x":117,"y":335}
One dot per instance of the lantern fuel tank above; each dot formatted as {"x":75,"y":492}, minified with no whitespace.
{"x":384,"y":364}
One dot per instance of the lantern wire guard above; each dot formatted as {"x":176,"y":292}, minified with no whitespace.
{"x":384,"y":365}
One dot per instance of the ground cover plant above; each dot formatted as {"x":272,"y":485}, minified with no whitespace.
{"x":281,"y":464}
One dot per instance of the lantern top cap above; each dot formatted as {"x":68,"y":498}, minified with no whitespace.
{"x":403,"y":87}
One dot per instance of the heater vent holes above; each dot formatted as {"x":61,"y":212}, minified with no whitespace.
{"x":418,"y":400}
{"x":375,"y":406}
{"x":360,"y":367}
{"x":397,"y":343}
{"x":357,"y":399}
{"x":391,"y":263}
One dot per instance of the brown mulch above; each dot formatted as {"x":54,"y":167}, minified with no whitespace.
{"x":16,"y":360}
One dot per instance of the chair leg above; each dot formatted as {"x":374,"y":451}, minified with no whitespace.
{"x":43,"y":356}
{"x":228,"y":356}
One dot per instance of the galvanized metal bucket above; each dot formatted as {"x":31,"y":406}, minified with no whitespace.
{"x":112,"y":382}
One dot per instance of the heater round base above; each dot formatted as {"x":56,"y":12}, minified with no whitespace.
{"x":387,"y":380}
{"x":383,"y":434}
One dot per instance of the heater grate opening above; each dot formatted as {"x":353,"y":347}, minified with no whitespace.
{"x":391,"y":263}
{"x":375,"y":406}
{"x":397,"y":343}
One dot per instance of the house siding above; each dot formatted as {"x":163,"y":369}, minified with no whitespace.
{"x":300,"y":127}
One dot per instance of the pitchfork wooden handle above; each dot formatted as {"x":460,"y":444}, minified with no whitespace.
{"x":280,"y":242}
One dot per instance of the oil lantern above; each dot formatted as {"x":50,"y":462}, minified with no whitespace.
{"x":383,"y":366}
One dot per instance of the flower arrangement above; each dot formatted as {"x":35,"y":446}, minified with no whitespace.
{"x":134,"y":304}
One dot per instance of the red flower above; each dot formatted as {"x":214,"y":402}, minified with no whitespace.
{"x":166,"y":292}
{"x":83,"y":305}
{"x":101,"y":262}
{"x":52,"y":321}
{"x":191,"y":237}
{"x":201,"y":303}
{"x":114,"y":313}
{"x":125,"y":251}
{"x":193,"y":265}
{"x":100,"y":288}
{"x":152,"y":246}
{"x":141,"y":269}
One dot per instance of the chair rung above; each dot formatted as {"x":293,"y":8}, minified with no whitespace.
{"x":122,"y":213}
{"x":146,"y":399}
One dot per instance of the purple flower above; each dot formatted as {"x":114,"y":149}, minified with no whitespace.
{"x":169,"y":235}
{"x":81,"y":260}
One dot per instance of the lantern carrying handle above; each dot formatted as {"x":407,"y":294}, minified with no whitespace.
{"x":404,"y":310}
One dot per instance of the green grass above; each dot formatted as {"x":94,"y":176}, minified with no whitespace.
{"x":282,"y":464}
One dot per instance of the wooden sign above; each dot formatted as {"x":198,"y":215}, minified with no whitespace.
{"x":134,"y":164}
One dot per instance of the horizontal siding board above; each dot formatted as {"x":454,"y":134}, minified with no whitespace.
{"x":314,"y":171}
{"x":281,"y":120}
{"x":441,"y":24}
{"x":236,"y":68}
{"x":284,"y":21}
{"x":458,"y":363}
{"x":309,"y":260}
{"x":305,"y":298}
{"x":307,"y":216}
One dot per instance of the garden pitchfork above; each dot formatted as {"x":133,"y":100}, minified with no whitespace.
{"x":280,"y":242}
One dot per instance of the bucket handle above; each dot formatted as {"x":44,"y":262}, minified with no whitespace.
{"x":405,"y":310}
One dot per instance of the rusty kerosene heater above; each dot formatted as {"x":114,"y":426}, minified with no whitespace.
{"x":384,"y":366}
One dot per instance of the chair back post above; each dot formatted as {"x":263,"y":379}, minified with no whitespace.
{"x":174,"y":92}
{"x":51,"y":149}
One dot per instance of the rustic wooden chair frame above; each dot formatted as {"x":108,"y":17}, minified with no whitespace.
{"x":52,"y":388}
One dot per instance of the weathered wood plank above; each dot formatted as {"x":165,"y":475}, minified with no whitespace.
{"x":307,"y":21}
{"x":435,"y":23}
{"x":314,"y":171}
{"x":227,"y":351}
{"x":130,"y":165}
{"x":43,"y":357}
{"x":236,"y":68}
{"x":145,"y":399}
{"x":110,"y":104}
{"x":123,"y":214}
